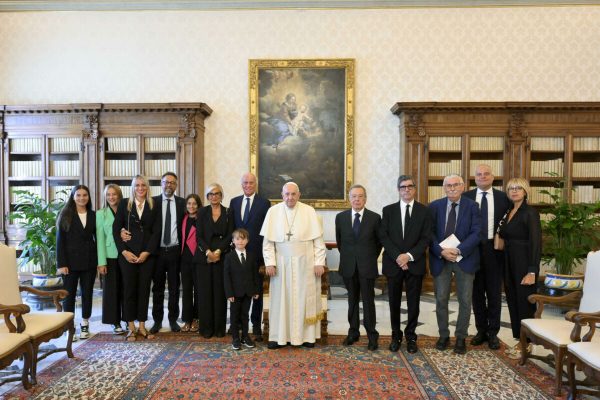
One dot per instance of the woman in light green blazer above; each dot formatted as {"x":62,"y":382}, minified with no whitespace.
{"x":108,"y":267}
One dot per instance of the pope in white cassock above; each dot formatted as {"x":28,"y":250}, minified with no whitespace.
{"x":294,"y":253}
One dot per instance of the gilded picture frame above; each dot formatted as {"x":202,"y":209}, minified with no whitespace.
{"x":302,"y":128}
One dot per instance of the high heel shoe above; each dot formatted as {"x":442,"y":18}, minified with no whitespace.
{"x":186,"y":327}
{"x":130,"y":337}
{"x":145,"y":334}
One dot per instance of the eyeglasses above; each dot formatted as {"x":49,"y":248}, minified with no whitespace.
{"x":172,"y":183}
{"x":406,"y":187}
{"x":510,"y":188}
{"x":453,"y":185}
{"x":214,"y":194}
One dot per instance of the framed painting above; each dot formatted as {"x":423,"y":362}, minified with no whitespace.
{"x":302,"y":128}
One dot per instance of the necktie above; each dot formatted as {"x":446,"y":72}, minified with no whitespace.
{"x":167,"y":228}
{"x":356,"y":225}
{"x":484,"y":216}
{"x":243,"y":259}
{"x":451,"y":222}
{"x":246,"y":211}
{"x":406,"y":218}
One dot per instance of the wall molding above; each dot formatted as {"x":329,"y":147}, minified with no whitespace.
{"x":208,"y":5}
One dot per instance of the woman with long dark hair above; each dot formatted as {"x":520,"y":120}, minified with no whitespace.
{"x":76,"y":252}
{"x":189,"y":277}
{"x":137,"y":215}
{"x":108,"y":266}
{"x":213,"y":231}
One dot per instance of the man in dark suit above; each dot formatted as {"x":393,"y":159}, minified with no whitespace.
{"x":357,"y":237}
{"x":487,"y":287}
{"x":171,"y":210}
{"x":405,"y":233}
{"x":454,"y":249}
{"x":249,"y":212}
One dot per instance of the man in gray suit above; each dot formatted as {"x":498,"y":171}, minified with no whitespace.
{"x":357,"y":238}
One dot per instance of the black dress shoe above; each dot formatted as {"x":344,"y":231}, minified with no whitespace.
{"x":411,"y":346}
{"x":206,"y":335}
{"x":349,"y":340}
{"x":273,"y":346}
{"x":220,"y":334}
{"x":493,"y":342}
{"x":442,"y":343}
{"x":479,"y":339}
{"x":258,"y":338}
{"x":175,"y":327}
{"x":373,"y":345}
{"x":308,"y":345}
{"x":394,"y":345}
{"x":460,"y":347}
{"x":155,"y":328}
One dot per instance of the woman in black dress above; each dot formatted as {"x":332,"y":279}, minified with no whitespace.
{"x":522,"y":233}
{"x":76,"y":252}
{"x":137,"y":215}
{"x":213,"y":229}
{"x":189,"y":277}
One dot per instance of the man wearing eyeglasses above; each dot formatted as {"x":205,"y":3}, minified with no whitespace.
{"x":167,"y":269}
{"x":454,"y":250}
{"x":405,"y":233}
{"x":487,"y":292}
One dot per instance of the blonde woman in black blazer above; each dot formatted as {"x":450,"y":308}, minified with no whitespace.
{"x":76,"y":252}
{"x":137,"y":215}
{"x":213,"y":229}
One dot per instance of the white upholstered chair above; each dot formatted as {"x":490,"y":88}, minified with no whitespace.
{"x":40,"y":327}
{"x":14,"y":344}
{"x":557,"y":334}
{"x":585,"y":355}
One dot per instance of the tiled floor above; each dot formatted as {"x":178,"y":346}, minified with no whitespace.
{"x":337,"y":321}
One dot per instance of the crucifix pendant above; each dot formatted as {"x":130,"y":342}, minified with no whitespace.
{"x":289,"y":235}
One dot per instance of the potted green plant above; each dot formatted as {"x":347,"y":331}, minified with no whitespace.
{"x":38,"y":218}
{"x":570,"y":231}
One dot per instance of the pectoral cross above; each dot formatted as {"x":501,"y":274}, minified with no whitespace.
{"x":289,"y":235}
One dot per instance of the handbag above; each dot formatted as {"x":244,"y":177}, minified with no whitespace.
{"x":498,"y":241}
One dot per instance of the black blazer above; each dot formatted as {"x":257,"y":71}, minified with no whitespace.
{"x":145,"y":231}
{"x":418,"y":235}
{"x":258,"y":211}
{"x":501,"y":204}
{"x":179,"y":209}
{"x":361,"y":253}
{"x":77,"y":249}
{"x":213,"y":235}
{"x":523,"y":240}
{"x":241,"y":280}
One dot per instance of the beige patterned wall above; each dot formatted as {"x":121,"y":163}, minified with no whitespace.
{"x":480,"y":54}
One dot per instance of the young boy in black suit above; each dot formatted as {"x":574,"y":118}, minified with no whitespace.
{"x":241,"y":285}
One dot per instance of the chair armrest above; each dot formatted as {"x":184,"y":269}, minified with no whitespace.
{"x":540,"y":300}
{"x":55,"y":294}
{"x":17,"y":311}
{"x":581,"y":320}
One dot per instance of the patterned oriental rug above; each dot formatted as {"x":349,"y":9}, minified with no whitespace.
{"x":185,"y":366}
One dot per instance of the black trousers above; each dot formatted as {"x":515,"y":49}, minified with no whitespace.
{"x":189,"y":288}
{"x":212,"y":315}
{"x":487,"y":289}
{"x":136,"y":288}
{"x":413,"y":285}
{"x":516,"y":296}
{"x":359,"y":287}
{"x":239,"y":316}
{"x":85,"y":279}
{"x":112,"y":293}
{"x":257,"y":309}
{"x":166,"y":271}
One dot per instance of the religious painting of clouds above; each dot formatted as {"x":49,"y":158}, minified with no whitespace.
{"x":302,"y":128}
